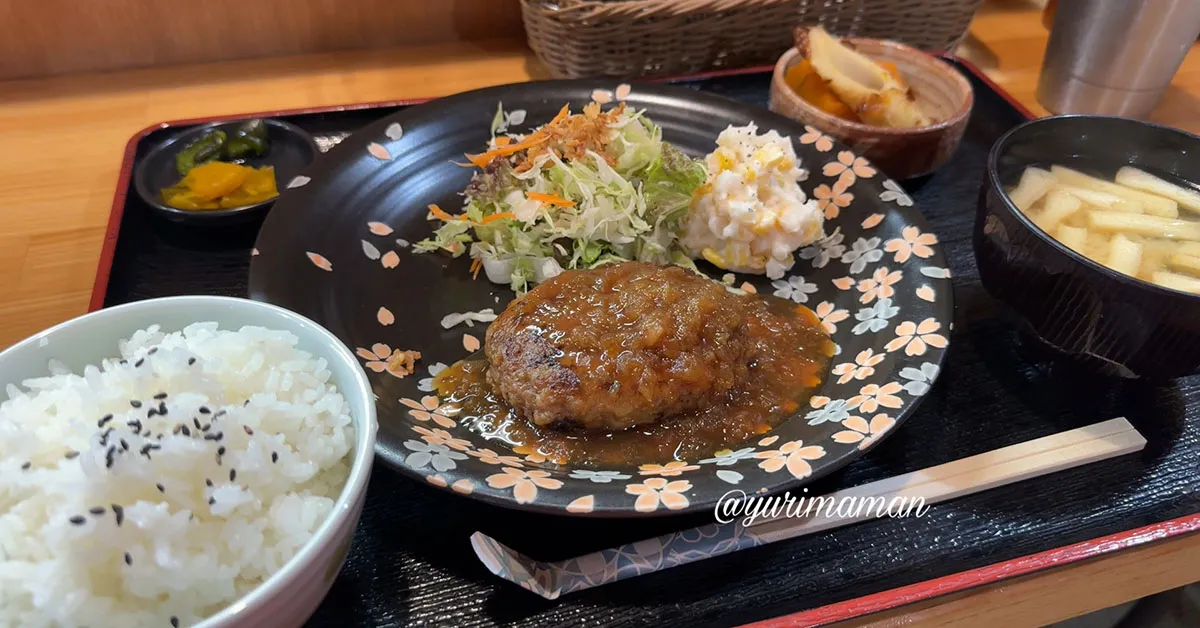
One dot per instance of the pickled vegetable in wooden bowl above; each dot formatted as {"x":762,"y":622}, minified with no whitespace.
{"x":875,"y":116}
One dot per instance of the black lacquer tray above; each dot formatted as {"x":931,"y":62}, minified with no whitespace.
{"x":412,"y":564}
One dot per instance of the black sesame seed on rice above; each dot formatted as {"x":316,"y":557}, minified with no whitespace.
{"x":104,"y":419}
{"x":160,"y":396}
{"x":245,"y":403}
{"x":128,"y":559}
{"x":175,"y":620}
{"x":151,"y":413}
{"x":162,"y":408}
{"x":176,"y":429}
{"x":219,"y":414}
{"x":204,"y":410}
{"x":212,"y":500}
{"x":123,"y":362}
{"x":108,"y":457}
{"x":152,"y":351}
{"x":274,"y":456}
{"x":96,"y":510}
{"x":140,"y":362}
{"x":124,"y":445}
{"x":196,"y":422}
{"x":186,"y":431}
{"x":232,"y":475}
{"x":214,"y":437}
{"x":135,"y":425}
{"x":71,"y":454}
{"x":25,"y":467}
{"x":161,"y":488}
{"x":135,"y":403}
{"x":249,"y":432}
{"x":207,"y":482}
{"x":119,"y":511}
{"x":207,"y":426}
{"x":77,"y":520}
{"x":191,"y":361}
{"x":221,"y":450}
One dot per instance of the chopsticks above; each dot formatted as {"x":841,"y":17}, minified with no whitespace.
{"x":936,"y":484}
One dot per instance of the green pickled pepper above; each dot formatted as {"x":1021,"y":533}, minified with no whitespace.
{"x":206,"y":148}
{"x":250,"y":139}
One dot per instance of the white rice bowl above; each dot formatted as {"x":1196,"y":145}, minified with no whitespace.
{"x":102,"y":526}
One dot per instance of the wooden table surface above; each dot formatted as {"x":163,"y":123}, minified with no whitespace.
{"x":61,"y":141}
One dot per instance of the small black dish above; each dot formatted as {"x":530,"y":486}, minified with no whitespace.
{"x":291,"y":150}
{"x":1110,"y":322}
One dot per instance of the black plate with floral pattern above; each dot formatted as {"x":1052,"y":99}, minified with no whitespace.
{"x":337,"y":248}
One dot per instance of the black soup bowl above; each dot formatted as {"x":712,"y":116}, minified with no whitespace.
{"x":1111,"y":322}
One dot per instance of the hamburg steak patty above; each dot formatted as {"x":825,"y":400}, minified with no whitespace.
{"x":618,"y":346}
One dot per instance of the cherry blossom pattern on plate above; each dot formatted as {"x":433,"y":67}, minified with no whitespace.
{"x":828,"y":410}
{"x":470,"y":343}
{"x":936,"y":272}
{"x":926,"y":293}
{"x":794,"y":456}
{"x":824,"y":250}
{"x":623,"y":91}
{"x":430,"y":408}
{"x":297,"y":181}
{"x":872,"y":221}
{"x":794,"y":288}
{"x":911,"y":243}
{"x":370,"y":250}
{"x":919,"y":379}
{"x":830,"y":316}
{"x":385,"y":316}
{"x":437,"y":436}
{"x":320,"y":261}
{"x":656,"y":491}
{"x":582,"y":505}
{"x":859,"y":430}
{"x":823,"y":143}
{"x":382,"y":358}
{"x":394,"y":132}
{"x":379,"y":151}
{"x":848,"y":168}
{"x":864,"y":251}
{"x":524,"y":484}
{"x":379,"y":229}
{"x":874,"y":318}
{"x":463,"y":486}
{"x":874,"y":396}
{"x":505,"y":119}
{"x":832,"y":200}
{"x":671,"y":469}
{"x":390,"y":260}
{"x":487,"y":456}
{"x":726,"y":457}
{"x":599,"y":477}
{"x":861,"y":368}
{"x":426,"y":383}
{"x":914,"y":338}
{"x":879,"y":285}
{"x":436,"y":456}
{"x":892,"y":192}
{"x":602,"y":96}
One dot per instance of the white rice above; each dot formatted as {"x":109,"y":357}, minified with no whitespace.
{"x":190,"y":549}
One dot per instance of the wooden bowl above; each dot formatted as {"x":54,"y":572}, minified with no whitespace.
{"x":942,"y":92}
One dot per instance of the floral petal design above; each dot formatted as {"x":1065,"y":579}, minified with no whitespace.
{"x":623,"y":91}
{"x":602,"y":96}
{"x":582,"y":505}
{"x":394,"y":131}
{"x":378,"y":151}
{"x":844,"y":283}
{"x":390,"y":260}
{"x":470,"y":343}
{"x":464,"y":486}
{"x":732,"y":477}
{"x":320,"y":261}
{"x":925,"y":293}
{"x":872,"y":221}
{"x":385,"y":316}
{"x":370,"y":251}
{"x":768,"y":441}
{"x":298,"y":181}
{"x":253,"y":252}
{"x":436,"y":480}
{"x":379,"y":229}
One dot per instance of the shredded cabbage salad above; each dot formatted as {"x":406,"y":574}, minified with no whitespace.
{"x":583,"y":190}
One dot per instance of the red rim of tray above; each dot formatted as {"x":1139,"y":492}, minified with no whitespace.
{"x":857,"y":607}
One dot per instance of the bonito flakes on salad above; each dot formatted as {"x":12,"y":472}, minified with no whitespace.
{"x":601,"y":187}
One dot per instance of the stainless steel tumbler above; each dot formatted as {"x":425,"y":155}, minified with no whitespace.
{"x":1115,"y":57}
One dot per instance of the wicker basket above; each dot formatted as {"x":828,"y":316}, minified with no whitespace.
{"x":630,"y":38}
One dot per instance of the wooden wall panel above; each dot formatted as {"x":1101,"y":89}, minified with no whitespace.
{"x":43,"y":37}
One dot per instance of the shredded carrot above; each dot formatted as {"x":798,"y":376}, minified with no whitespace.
{"x":550,"y":199}
{"x":505,"y":149}
{"x":476,"y":264}
{"x":499,"y":216}
{"x":503,"y":140}
{"x":441,"y":214}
